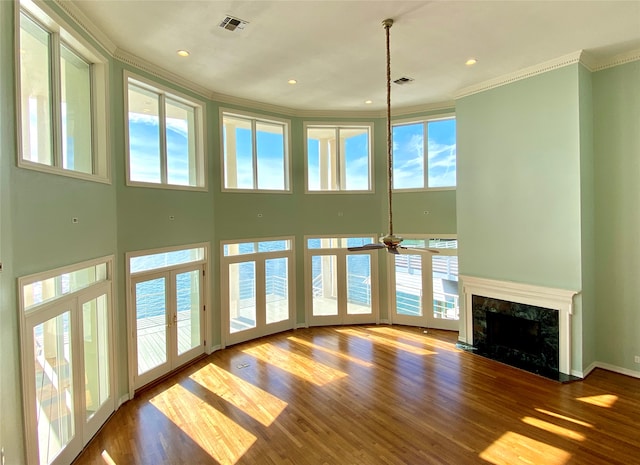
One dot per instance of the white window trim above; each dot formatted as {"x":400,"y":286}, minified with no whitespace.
{"x":287,"y":150}
{"x":41,"y":311}
{"x":200,"y":133}
{"x":225,"y":261}
{"x":352,"y":124}
{"x":206,"y":295}
{"x":341,"y":252}
{"x":100,"y":128}
{"x":424,"y":120}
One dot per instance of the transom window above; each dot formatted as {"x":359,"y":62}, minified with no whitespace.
{"x":255,"y":152}
{"x":338,"y":157}
{"x":424,"y":154}
{"x":165,"y":137}
{"x":63,"y":111}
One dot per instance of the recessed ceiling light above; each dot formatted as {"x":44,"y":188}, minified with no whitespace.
{"x":368,"y":102}
{"x":183,"y":53}
{"x":292,"y":81}
{"x":471,"y":62}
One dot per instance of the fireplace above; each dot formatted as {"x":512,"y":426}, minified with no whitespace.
{"x":526,"y":336}
{"x":519,"y":324}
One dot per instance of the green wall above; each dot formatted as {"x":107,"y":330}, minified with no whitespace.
{"x":11,"y":432}
{"x":519,"y":186}
{"x":616,"y":105}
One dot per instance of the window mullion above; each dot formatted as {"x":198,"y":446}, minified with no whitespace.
{"x":162,"y":123}
{"x":254,"y":153}
{"x":425,"y":153}
{"x":338,"y":158}
{"x":56,"y":100}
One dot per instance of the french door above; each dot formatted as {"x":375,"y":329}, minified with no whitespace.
{"x":257,"y":289}
{"x":67,"y":360}
{"x":341,"y":286}
{"x":424,"y":287}
{"x":167,"y":313}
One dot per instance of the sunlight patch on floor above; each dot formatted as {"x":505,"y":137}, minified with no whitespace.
{"x":297,"y":365}
{"x":511,"y":448}
{"x":553,"y":428}
{"x":260,"y":405}
{"x":107,"y":458}
{"x":604,"y":400}
{"x":386,"y":342}
{"x":423,"y":339}
{"x":335,"y":353}
{"x":223,"y":439}
{"x":564,"y":417}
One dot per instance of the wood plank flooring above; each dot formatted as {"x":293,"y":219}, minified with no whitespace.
{"x":370,"y":395}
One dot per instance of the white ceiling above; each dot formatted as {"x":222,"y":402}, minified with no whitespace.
{"x":336,"y":49}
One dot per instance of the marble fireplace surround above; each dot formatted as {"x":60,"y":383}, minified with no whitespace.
{"x":560,"y":300}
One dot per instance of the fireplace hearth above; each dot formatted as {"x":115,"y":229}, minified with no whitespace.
{"x":529,"y":325}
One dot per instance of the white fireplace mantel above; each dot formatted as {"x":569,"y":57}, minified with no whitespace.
{"x":546,"y":297}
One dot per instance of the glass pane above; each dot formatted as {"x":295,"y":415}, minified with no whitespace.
{"x":408,"y":156}
{"x":277,"y":290}
{"x":238,"y":153}
{"x":242,"y":248}
{"x":354,"y":152}
{"x":54,"y":386}
{"x":442,"y":153}
{"x":324,"y":287}
{"x":188,"y":308}
{"x":144,"y":135}
{"x":76,"y":112}
{"x":271,"y":156}
{"x":337,"y":242}
{"x":408,"y":285}
{"x":151,"y":324}
{"x":445,"y":287}
{"x":35,"y":92}
{"x":51,"y":288}
{"x":164,"y":259}
{"x":322,"y":166}
{"x":359,"y":284}
{"x":242,"y":296}
{"x":181,"y":147}
{"x":95,"y":324}
{"x":274,"y":246}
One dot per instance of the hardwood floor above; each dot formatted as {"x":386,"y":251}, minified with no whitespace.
{"x":370,"y":395}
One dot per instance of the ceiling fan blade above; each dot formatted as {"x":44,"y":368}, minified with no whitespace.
{"x":393,"y":250}
{"x":420,"y":250}
{"x":365,"y":247}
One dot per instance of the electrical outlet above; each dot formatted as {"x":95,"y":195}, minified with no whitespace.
{"x":637,"y":358}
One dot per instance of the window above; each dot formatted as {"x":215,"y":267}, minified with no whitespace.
{"x":338,"y":157}
{"x":255,"y":153}
{"x":341,"y":286}
{"x":67,"y":358}
{"x":424,"y":154}
{"x":257,"y":286}
{"x":165,"y":138}
{"x":166,"y":310}
{"x":62,"y":91}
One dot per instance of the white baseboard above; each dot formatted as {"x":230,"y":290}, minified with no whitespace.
{"x":385,"y":322}
{"x":213,"y":349}
{"x":122,"y":400}
{"x":615,"y":369}
{"x":301,"y":326}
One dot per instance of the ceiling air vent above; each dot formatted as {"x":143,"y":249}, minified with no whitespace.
{"x":403,"y":80}
{"x":231,"y":24}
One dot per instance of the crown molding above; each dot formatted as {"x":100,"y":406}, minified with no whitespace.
{"x":560,"y":62}
{"x":616,"y":60}
{"x":158,"y":72}
{"x":86,"y":25}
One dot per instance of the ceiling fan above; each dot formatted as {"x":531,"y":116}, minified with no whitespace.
{"x":391,"y":242}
